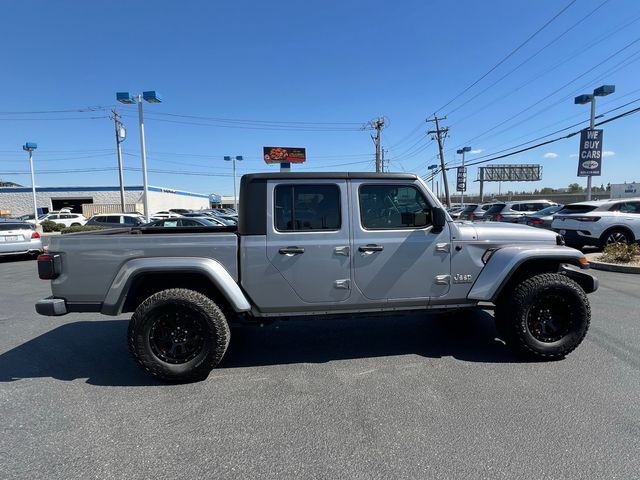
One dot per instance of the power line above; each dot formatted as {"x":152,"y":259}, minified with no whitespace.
{"x":547,"y":45}
{"x":533,"y":78}
{"x":545,"y":25}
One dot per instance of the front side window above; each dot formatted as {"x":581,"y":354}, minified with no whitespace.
{"x":307,"y":207}
{"x":393,"y":207}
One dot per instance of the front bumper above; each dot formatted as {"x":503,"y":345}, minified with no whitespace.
{"x":51,"y":307}
{"x":581,"y":276}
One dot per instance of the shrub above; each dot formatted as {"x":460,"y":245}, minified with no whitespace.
{"x":620,"y":252}
{"x":82,"y":228}
{"x":50,"y":226}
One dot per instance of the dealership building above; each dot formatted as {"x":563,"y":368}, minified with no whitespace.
{"x":90,"y":200}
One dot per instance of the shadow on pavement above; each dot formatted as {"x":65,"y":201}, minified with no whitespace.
{"x":97,"y":350}
{"x":17,"y":258}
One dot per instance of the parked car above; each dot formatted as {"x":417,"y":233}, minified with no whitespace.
{"x":541,"y":219}
{"x":65,"y":218}
{"x":454,"y":212}
{"x":117,"y":220}
{"x":19,"y":238}
{"x":180,"y":211}
{"x":186,"y":222}
{"x":599,"y":223}
{"x":474,"y":211}
{"x":165,"y":214}
{"x":319,"y":244}
{"x":512,"y":211}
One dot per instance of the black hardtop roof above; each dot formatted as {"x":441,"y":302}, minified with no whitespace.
{"x":328,"y":176}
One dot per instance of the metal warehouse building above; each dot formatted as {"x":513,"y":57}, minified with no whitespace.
{"x":90,"y":200}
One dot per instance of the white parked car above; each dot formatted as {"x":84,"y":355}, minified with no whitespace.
{"x":599,"y":223}
{"x":68,"y":219}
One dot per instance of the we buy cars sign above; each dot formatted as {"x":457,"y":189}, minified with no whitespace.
{"x":590,"y":159}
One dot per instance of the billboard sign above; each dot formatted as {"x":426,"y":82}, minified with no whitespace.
{"x":590,"y":158}
{"x":284,"y":154}
{"x":461,"y":179}
{"x":510,"y":173}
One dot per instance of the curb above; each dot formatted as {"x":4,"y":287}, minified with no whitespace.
{"x":610,"y":267}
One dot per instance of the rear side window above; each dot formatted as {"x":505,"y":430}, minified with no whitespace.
{"x":130,"y":221}
{"x":393,"y":207}
{"x":307,"y":207}
{"x":626,"y":207}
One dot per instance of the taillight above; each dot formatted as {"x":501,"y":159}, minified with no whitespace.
{"x":499,"y":216}
{"x":35,"y":235}
{"x":471,"y":216}
{"x":536,"y":221}
{"x":48,"y":266}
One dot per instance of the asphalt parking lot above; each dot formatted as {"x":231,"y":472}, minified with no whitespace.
{"x":402,"y":397}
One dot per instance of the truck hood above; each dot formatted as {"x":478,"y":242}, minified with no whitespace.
{"x":504,"y":233}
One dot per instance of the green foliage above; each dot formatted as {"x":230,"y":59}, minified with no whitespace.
{"x":621,"y":252}
{"x":575,"y":187}
{"x":50,"y":226}
{"x":82,"y":228}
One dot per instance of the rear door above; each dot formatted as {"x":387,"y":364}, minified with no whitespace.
{"x":308,"y":238}
{"x":396,"y":252}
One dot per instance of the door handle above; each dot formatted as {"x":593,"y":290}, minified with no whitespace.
{"x":370,"y":248}
{"x":291,"y":251}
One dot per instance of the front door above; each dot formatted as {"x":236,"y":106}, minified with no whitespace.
{"x":308,"y":238}
{"x":396,"y":252}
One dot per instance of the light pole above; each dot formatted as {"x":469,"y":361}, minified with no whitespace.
{"x":151,"y":97}
{"x":238,"y":158}
{"x":601,"y":91}
{"x":433,"y":175}
{"x":29,"y":147}
{"x":462,"y":151}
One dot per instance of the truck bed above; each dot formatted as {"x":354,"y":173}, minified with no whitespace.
{"x":91,"y":260}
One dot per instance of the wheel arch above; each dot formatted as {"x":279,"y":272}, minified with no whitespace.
{"x":139,"y":278}
{"x":624,"y":228}
{"x":510,"y":265}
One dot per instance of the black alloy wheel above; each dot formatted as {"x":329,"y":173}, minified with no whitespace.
{"x":176,"y":335}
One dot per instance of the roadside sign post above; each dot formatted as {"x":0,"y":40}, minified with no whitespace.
{"x":462,"y":188}
{"x":590,"y":158}
{"x":29,"y":147}
{"x":601,"y":91}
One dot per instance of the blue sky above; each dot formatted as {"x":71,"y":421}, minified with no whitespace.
{"x":310,"y":74}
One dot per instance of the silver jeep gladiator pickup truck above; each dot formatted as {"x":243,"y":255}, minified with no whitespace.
{"x":321,"y":244}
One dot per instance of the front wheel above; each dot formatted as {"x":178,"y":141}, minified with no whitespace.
{"x":178,"y":335}
{"x":546,"y":316}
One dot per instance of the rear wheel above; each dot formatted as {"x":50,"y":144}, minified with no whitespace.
{"x":178,"y":335}
{"x":546,"y":316}
{"x":616,"y":236}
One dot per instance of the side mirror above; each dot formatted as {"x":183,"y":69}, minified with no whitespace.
{"x":439,"y":219}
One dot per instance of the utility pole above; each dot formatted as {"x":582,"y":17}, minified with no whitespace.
{"x":377,"y":125}
{"x":120,"y":135}
{"x":382,"y":160}
{"x":440,"y":134}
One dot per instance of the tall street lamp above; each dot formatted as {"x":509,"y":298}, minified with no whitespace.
{"x":30,"y":147}
{"x":151,"y":97}
{"x":462,"y":151}
{"x":238,"y":158}
{"x":601,"y":91}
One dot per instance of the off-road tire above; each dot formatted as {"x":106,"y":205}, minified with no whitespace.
{"x":213,"y":334}
{"x":519,"y":310}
